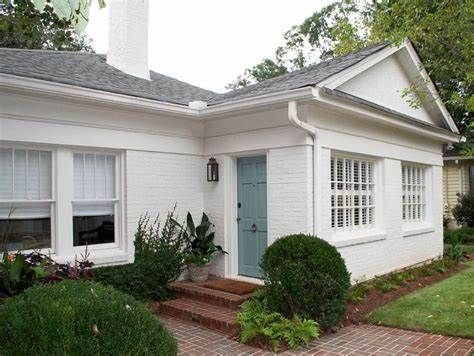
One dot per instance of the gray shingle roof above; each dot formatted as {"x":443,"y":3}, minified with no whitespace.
{"x":307,"y":76}
{"x":92,"y":71}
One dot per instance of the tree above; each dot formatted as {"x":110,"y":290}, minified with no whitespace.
{"x":22,"y":25}
{"x":442,"y":31}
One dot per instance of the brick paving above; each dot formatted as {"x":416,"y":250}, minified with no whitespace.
{"x":353,"y":340}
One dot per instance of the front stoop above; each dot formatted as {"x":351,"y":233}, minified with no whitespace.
{"x":213,"y":309}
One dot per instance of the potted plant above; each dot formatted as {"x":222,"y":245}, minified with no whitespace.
{"x":201,"y":248}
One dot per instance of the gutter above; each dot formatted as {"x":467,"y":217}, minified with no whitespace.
{"x":314,"y":133}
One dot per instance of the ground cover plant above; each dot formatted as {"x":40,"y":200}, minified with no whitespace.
{"x":306,"y":276}
{"x":159,"y":260}
{"x":446,"y":307}
{"x":264,"y":327}
{"x":80,"y":318}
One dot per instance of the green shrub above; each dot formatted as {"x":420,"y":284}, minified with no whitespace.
{"x":383,"y":284}
{"x":159,"y":260}
{"x":80,"y":318}
{"x":464,"y":211}
{"x":465,"y":235}
{"x":305,"y":275}
{"x":258,"y":322}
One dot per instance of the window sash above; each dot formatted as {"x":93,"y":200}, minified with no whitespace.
{"x":352,"y":193}
{"x":413,"y":193}
{"x":25,"y":175}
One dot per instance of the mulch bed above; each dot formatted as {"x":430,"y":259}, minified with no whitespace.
{"x":374,"y":299}
{"x":231,"y":286}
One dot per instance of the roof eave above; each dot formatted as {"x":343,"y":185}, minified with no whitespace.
{"x":330,"y":97}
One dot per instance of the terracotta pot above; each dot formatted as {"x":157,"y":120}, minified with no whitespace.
{"x":199,"y":273}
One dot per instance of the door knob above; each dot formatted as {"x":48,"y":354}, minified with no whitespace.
{"x":254,"y":228}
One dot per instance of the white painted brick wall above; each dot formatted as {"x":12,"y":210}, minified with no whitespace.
{"x":155,"y":182}
{"x":290,"y":193}
{"x":395,"y":251}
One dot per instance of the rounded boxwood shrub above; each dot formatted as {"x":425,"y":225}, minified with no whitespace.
{"x":80,"y":318}
{"x":307,"y":276}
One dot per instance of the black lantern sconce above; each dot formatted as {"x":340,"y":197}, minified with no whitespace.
{"x":212,"y":170}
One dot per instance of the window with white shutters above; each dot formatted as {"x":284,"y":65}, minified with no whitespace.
{"x":94,"y":199}
{"x":413,"y":193}
{"x":352,"y":193}
{"x":25,"y":198}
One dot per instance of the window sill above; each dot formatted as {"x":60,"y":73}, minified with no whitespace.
{"x":418,"y":229}
{"x":98,"y":257}
{"x":347,"y":239}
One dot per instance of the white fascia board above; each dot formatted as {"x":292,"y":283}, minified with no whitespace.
{"x":429,"y":84}
{"x":391,"y":120}
{"x":37,"y":86}
{"x":343,"y":76}
{"x":305,"y":93}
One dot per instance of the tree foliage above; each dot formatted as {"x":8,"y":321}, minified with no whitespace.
{"x":442,"y":32}
{"x":22,"y":25}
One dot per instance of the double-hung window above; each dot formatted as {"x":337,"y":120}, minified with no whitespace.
{"x":95,"y":199}
{"x":26,"y":198}
{"x":413,"y":193}
{"x":352,"y":193}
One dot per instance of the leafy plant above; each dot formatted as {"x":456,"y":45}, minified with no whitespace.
{"x":383,"y":284}
{"x":80,"y":318}
{"x":257,"y":321}
{"x":358,"y":292}
{"x":465,"y":235}
{"x":463,"y":212}
{"x":159,"y":260}
{"x":19,"y":271}
{"x":201,"y":246}
{"x":307,"y":276}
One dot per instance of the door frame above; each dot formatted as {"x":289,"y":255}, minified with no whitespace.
{"x":231,"y":213}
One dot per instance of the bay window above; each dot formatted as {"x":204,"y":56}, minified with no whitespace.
{"x":352,"y":193}
{"x":26,"y":198}
{"x":95,"y":199}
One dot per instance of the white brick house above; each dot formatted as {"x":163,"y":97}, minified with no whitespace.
{"x":90,"y":142}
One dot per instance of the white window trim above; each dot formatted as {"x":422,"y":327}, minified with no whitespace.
{"x":375,"y":232}
{"x":426,"y":225}
{"x":52,"y":201}
{"x":119,"y":241}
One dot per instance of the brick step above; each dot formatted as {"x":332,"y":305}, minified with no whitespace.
{"x":210,"y":316}
{"x":209,"y":296}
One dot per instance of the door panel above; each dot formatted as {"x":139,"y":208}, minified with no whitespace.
{"x":252,"y":213}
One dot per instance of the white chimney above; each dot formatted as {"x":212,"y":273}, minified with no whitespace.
{"x":128,"y":36}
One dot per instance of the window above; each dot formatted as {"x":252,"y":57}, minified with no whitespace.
{"x":352,"y":193}
{"x":94,"y":199}
{"x":414,"y":193}
{"x":25,"y":198}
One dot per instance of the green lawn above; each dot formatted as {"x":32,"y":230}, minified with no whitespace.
{"x":446,"y":307}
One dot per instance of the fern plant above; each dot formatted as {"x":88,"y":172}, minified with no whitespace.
{"x":258,"y":321}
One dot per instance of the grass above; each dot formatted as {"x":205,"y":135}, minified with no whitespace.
{"x":446,"y":307}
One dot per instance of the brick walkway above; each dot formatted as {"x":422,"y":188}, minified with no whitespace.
{"x":354,"y":340}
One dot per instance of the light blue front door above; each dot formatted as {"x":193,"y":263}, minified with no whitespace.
{"x":252,"y":213}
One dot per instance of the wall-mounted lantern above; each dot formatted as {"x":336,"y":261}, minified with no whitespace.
{"x":212,"y":170}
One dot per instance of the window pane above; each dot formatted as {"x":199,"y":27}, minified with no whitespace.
{"x":6,"y":173}
{"x":26,"y":227}
{"x":78,"y":176}
{"x":19,"y":184}
{"x":45,"y":175}
{"x":93,"y":224}
{"x":33,"y":175}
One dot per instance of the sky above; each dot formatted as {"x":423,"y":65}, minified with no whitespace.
{"x":208,"y":43}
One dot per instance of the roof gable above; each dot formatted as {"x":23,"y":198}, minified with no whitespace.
{"x":381,"y":79}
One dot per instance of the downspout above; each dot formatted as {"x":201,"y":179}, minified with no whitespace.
{"x":314,"y":133}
